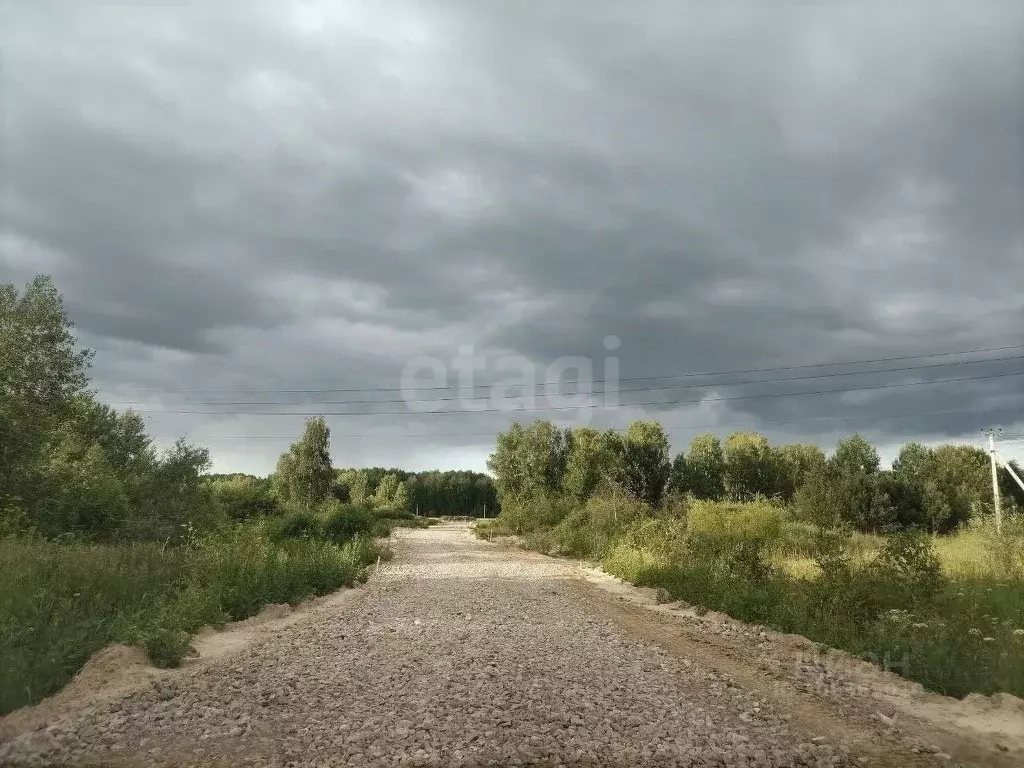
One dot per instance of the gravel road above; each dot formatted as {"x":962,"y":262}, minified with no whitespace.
{"x":458,"y":653}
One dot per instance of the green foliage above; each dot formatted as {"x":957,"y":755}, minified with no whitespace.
{"x":677,"y":480}
{"x":346,"y":521}
{"x":452,"y":493}
{"x":590,"y":531}
{"x":391,"y":495}
{"x":70,"y":466}
{"x":358,"y":487}
{"x":530,"y":461}
{"x":527,"y":514}
{"x":797,"y":462}
{"x":759,"y":521}
{"x":705,"y":467}
{"x":854,"y":454}
{"x":244,"y":497}
{"x":593,"y":464}
{"x":303,"y":524}
{"x":42,"y":376}
{"x":895,"y":608}
{"x":752,"y":467}
{"x":645,"y":461}
{"x":849,"y":491}
{"x":304,"y":475}
{"x":910,"y":568}
{"x":62,"y":602}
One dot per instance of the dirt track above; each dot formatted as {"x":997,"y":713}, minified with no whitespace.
{"x":466,"y":653}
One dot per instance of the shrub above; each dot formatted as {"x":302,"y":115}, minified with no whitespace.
{"x":528,"y":514}
{"x":346,"y":521}
{"x":591,"y":531}
{"x":243,"y":497}
{"x":297,"y":525}
{"x":908,"y":569}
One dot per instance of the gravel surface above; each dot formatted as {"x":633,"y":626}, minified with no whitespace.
{"x":458,"y":653}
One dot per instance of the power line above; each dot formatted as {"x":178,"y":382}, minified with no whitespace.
{"x":805,"y":366}
{"x":492,"y":433}
{"x":463,"y":398}
{"x":591,"y":405}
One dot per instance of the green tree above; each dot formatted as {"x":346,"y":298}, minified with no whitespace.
{"x":42,"y":375}
{"x":581,"y":470}
{"x":284,"y":476}
{"x":751,"y":467}
{"x":391,"y":495}
{"x":506,"y":464}
{"x":645,"y":461}
{"x":854,"y":454}
{"x":677,"y":479}
{"x":705,"y":467}
{"x":82,"y":493}
{"x":915,"y":462}
{"x":173,"y":495}
{"x":530,"y":461}
{"x":304,"y":475}
{"x":797,"y":462}
{"x":400,"y":502}
{"x":594,"y":463}
{"x":359,"y":489}
{"x":854,"y":499}
{"x":1012,"y":493}
{"x":962,"y":480}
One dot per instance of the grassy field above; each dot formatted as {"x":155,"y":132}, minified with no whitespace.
{"x":947,"y":612}
{"x":62,"y":602}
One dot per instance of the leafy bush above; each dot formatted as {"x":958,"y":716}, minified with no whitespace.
{"x":244,"y":497}
{"x":346,"y":521}
{"x":297,"y":525}
{"x":591,"y":531}
{"x":528,"y":514}
{"x":908,"y":569}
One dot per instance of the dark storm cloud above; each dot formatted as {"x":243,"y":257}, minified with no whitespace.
{"x":303,"y":195}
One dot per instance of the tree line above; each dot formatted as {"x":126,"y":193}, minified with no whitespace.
{"x":934,"y":489}
{"x":70,"y":465}
{"x":304,"y":479}
{"x":434,"y":492}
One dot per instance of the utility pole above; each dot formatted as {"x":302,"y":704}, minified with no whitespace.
{"x":995,"y":480}
{"x":485,"y":510}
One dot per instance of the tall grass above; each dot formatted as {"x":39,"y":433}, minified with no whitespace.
{"x":61,"y":602}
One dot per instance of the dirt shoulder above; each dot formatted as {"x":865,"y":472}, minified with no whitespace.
{"x":120,"y":670}
{"x":868,"y":710}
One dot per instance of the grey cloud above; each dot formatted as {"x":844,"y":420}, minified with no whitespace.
{"x":309,"y":194}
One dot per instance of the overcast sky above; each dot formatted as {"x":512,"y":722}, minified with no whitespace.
{"x":245,"y":198}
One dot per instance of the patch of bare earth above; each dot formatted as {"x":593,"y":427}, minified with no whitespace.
{"x":119,"y":670}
